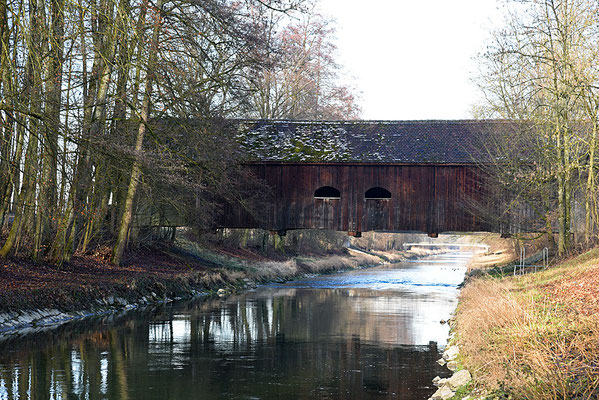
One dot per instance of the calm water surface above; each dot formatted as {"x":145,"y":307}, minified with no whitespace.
{"x":372,"y":333}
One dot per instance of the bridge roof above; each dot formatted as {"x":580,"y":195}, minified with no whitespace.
{"x":417,"y":142}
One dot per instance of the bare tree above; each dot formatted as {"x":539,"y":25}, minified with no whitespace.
{"x":105,"y":101}
{"x":299,"y":76}
{"x":538,"y":71}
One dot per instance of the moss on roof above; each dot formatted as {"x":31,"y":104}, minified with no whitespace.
{"x":443,"y":142}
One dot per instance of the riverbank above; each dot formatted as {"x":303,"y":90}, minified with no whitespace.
{"x":533,"y":336}
{"x":37,"y":295}
{"x":372,"y":332}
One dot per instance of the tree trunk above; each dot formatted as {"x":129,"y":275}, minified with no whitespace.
{"x":562,"y":195}
{"x":6,"y":125}
{"x":47,"y":198}
{"x":590,"y":189}
{"x":26,"y":203}
{"x":26,"y":197}
{"x":136,"y":169}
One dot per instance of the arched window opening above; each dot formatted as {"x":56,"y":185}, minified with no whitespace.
{"x":377,"y":193}
{"x":327,"y":192}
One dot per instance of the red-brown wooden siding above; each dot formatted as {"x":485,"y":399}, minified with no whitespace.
{"x":426,"y":198}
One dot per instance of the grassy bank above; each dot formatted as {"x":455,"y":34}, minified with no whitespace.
{"x":534,"y":336}
{"x":40,"y":293}
{"x":153,"y":274}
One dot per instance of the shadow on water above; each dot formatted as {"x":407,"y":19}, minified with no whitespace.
{"x":372,"y":333}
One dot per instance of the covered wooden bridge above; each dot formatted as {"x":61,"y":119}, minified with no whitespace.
{"x":358,"y":176}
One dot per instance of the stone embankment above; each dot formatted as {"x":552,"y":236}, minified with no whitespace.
{"x":24,"y":322}
{"x":447,"y":387}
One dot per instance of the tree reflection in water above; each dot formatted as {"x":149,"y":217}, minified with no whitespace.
{"x":273,"y":343}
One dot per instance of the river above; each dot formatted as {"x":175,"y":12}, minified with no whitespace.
{"x":365,"y":334}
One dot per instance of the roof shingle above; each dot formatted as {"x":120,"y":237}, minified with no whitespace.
{"x":422,"y":142}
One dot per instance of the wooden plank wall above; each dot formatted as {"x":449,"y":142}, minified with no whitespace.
{"x":426,"y":198}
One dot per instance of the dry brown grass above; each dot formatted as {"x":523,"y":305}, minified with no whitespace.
{"x":273,"y":269}
{"x":527,"y":337}
{"x":242,"y":264}
{"x":333,"y":263}
{"x":291,"y":268}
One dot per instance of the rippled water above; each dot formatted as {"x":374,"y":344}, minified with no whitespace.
{"x":372,"y":333}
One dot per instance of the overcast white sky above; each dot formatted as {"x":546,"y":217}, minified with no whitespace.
{"x":412,"y":59}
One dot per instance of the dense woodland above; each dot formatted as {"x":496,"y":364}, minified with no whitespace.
{"x":111,"y":109}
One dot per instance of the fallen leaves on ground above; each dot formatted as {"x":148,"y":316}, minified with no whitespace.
{"x":580,"y":292}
